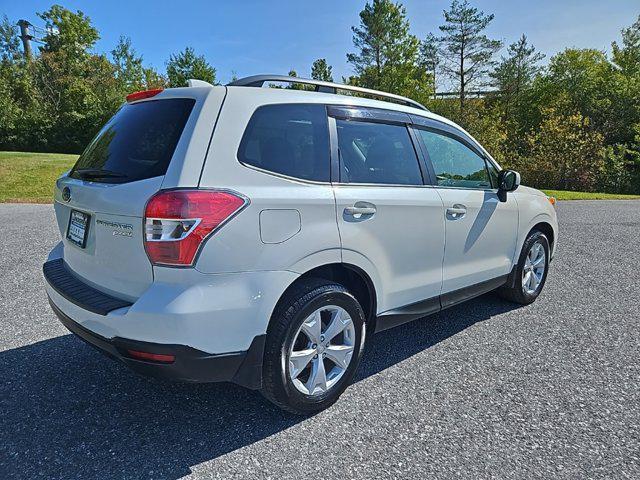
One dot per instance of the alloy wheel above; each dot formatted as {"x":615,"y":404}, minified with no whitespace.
{"x":534,"y":267}
{"x":322,"y":350}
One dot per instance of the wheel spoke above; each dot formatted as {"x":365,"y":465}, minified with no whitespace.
{"x":534,"y":267}
{"x":312,"y":326}
{"x":318,"y":377}
{"x":311,"y":346}
{"x":298,"y":361}
{"x":337,"y":325}
{"x":340,"y":354}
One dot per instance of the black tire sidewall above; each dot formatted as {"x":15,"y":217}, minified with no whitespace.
{"x":295,"y":399}
{"x":536,"y":236}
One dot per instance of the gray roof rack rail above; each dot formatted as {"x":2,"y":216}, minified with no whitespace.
{"x":326,"y":87}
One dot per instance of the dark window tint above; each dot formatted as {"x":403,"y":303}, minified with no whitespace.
{"x":292,"y":140}
{"x":138,"y":142}
{"x":455,"y":164}
{"x":376,"y":153}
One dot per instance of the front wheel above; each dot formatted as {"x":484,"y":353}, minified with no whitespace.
{"x":313,"y":347}
{"x":531,"y":270}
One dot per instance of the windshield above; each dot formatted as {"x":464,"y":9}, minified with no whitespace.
{"x":137,"y":143}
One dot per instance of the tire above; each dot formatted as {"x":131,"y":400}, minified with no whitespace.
{"x":309,"y":300}
{"x":516,"y":290}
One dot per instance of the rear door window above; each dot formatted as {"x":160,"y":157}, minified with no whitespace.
{"x":288,"y":139}
{"x":376,"y":153}
{"x":137,"y":143}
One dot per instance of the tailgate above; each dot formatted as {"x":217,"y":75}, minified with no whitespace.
{"x":113,"y":258}
{"x":147,"y":146}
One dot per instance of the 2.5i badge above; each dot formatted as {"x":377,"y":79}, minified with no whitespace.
{"x":119,"y":229}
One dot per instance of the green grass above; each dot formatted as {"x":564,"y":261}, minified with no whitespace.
{"x":566,"y":195}
{"x":30,"y":177}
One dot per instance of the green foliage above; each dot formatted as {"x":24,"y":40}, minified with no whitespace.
{"x":564,"y":152}
{"x":387,"y":57}
{"x":429,"y":58}
{"x":69,"y":32}
{"x":627,"y":56}
{"x":128,"y":65}
{"x":515,"y":73}
{"x":574,"y":124}
{"x":320,"y":70}
{"x":186,"y":65}
{"x":9,"y":42}
{"x":294,"y":86}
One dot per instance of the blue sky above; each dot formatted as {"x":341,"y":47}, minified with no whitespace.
{"x":250,"y":37}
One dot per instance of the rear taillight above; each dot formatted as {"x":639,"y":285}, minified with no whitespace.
{"x":178,"y":221}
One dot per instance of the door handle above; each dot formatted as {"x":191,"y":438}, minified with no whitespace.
{"x":456,"y":212}
{"x":360,"y":208}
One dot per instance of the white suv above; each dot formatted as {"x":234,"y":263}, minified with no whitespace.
{"x":259,"y":235}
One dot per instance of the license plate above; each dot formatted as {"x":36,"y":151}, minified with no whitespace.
{"x":78,"y":228}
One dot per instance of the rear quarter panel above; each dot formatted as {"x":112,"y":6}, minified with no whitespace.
{"x":240,"y":246}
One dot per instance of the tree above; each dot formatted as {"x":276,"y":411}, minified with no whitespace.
{"x":516,"y":72}
{"x":153,"y":79}
{"x":186,"y":65}
{"x":320,"y":70}
{"x":565,"y":153}
{"x":129,"y":70}
{"x":69,"y":32}
{"x":430,"y":57}
{"x":294,"y":86}
{"x":627,"y":56}
{"x":467,"y":50}
{"x":9,"y":43}
{"x":513,"y":78}
{"x":387,"y":57}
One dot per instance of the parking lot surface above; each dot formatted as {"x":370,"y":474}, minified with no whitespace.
{"x":486,"y":389}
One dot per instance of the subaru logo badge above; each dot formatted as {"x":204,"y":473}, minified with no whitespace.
{"x":66,"y":194}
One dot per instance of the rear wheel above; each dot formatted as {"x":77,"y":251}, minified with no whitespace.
{"x":531,"y":270}
{"x":313,"y":347}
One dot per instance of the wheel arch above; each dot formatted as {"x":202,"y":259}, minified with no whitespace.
{"x":547,"y":229}
{"x":354,"y":278}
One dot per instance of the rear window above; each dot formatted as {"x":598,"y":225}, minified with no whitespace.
{"x":291,"y":140}
{"x":137,"y":143}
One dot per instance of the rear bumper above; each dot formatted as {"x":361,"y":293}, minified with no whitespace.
{"x":190,"y":365}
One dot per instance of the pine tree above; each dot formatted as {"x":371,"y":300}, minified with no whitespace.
{"x":467,"y":50}
{"x":430,"y":57}
{"x":129,"y":70}
{"x":185,"y":65}
{"x":387,"y":56}
{"x":320,"y":70}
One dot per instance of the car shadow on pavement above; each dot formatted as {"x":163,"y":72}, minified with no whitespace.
{"x":69,"y":412}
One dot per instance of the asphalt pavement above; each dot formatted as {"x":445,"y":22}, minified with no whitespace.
{"x":486,"y":389}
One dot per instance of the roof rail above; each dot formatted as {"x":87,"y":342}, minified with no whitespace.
{"x":326,"y":87}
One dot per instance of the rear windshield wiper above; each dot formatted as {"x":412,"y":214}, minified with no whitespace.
{"x":97,"y":173}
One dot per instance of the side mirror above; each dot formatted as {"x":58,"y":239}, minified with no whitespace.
{"x":508,"y":181}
